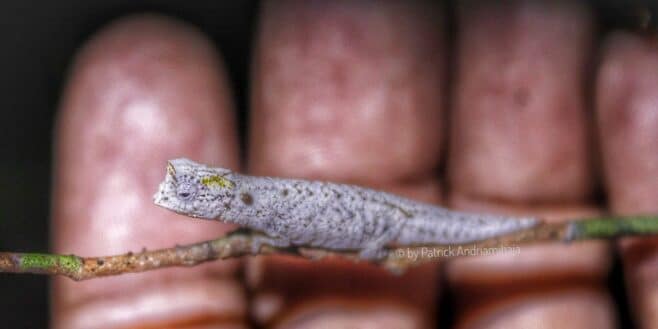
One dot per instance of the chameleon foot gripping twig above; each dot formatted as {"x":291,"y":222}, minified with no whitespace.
{"x":315,"y":220}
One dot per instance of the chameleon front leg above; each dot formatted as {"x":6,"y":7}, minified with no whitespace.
{"x":258,"y":240}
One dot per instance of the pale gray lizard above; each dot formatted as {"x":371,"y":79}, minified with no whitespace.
{"x":295,"y":212}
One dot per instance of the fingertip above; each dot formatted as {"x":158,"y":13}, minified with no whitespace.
{"x":519,"y":127}
{"x":349,"y":92}
{"x":628,"y":129}
{"x":628,"y":121}
{"x":520,"y":144}
{"x":145,"y":89}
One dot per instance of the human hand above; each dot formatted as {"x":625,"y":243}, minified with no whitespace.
{"x":355,"y":92}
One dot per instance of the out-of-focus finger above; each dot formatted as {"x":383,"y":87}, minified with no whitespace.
{"x":627,"y":108}
{"x":144,"y":90}
{"x":520,"y":145}
{"x":351,"y":92}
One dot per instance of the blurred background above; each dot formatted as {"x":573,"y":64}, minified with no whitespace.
{"x":39,"y":40}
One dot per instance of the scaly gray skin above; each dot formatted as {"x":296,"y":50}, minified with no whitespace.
{"x":295,"y":212}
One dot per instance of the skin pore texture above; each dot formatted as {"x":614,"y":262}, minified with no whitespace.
{"x":321,"y":214}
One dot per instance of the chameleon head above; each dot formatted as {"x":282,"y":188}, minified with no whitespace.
{"x":195,"y":190}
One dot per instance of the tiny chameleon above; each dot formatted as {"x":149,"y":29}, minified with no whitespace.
{"x":305,"y":213}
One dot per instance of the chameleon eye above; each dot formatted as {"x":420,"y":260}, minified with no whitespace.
{"x":186,"y":191}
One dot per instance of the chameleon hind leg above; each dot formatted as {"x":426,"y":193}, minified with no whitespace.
{"x":376,"y":249}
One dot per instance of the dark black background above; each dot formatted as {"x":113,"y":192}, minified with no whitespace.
{"x":38,"y":42}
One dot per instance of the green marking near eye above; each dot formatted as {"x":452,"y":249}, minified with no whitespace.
{"x":217,"y":181}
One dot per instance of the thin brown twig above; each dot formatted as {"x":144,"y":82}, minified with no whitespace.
{"x":241,"y":243}
{"x":237,"y":244}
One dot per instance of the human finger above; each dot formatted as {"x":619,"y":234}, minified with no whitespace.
{"x":144,"y":90}
{"x":520,"y":144}
{"x":626,"y":98}
{"x":349,"y":92}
